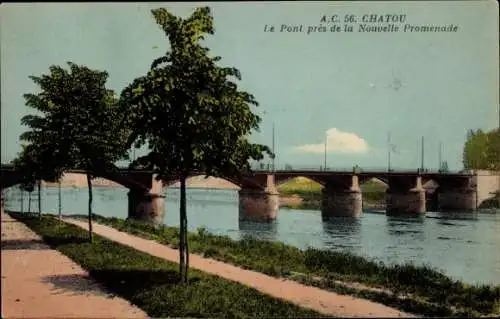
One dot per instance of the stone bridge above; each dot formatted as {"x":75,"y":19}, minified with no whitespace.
{"x":341,"y":195}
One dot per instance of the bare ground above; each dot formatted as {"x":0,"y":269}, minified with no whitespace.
{"x":39,"y":282}
{"x":305,"y":296}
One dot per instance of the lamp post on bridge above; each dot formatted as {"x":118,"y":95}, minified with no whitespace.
{"x":391,"y":148}
{"x":440,"y":167}
{"x":273,"y":150}
{"x":388,"y":151}
{"x":326,"y":142}
{"x":422,"y":155}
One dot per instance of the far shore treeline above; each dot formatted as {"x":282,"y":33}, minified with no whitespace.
{"x":482,"y":150}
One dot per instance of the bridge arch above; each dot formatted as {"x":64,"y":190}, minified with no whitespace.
{"x":10,"y":181}
{"x":202,"y":180}
{"x":282,"y":180}
{"x":10,"y":178}
{"x":364,"y":179}
{"x":289,"y":184}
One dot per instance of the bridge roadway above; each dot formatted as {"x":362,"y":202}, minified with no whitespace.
{"x":341,"y":195}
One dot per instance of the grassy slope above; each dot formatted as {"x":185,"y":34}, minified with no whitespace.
{"x":300,"y":184}
{"x":428,"y":292}
{"x":309,"y":189}
{"x":152,"y":283}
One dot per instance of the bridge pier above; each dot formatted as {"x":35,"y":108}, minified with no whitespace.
{"x":405,"y":195}
{"x":149,"y":206}
{"x":342,"y":197}
{"x":457,"y":200}
{"x":146,"y":207}
{"x":259,"y":204}
{"x":457,"y":195}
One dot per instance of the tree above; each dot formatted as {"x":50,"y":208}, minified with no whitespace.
{"x":79,"y":125}
{"x":466,"y":152}
{"x":482,"y":150}
{"x":493,"y":150}
{"x":24,"y":166}
{"x":190,"y":114}
{"x":28,"y":187}
{"x":32,"y":170}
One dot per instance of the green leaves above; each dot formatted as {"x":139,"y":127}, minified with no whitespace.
{"x":79,"y":124}
{"x":187,"y":108}
{"x":190,"y":101}
{"x":482,"y":150}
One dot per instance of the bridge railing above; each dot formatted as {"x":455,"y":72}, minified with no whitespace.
{"x":357,"y":169}
{"x":319,"y":168}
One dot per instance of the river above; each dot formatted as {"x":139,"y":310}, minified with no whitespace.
{"x":465,"y":246}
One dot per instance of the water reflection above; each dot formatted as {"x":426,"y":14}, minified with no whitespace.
{"x":259,"y":230}
{"x":108,"y":194}
{"x":410,"y":226}
{"x":341,"y":232}
{"x":450,"y":222}
{"x":411,"y":219}
{"x":449,"y":216}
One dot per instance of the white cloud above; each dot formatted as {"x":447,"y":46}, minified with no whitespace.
{"x":337,"y":142}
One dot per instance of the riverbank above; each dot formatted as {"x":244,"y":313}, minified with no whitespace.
{"x":152,"y":283}
{"x":413,"y":289}
{"x":234,"y":298}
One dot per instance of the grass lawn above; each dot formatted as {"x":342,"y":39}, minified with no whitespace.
{"x":153,"y":284}
{"x":415,"y":289}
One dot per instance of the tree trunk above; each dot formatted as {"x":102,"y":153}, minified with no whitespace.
{"x":22,"y":200}
{"x":186,"y":246}
{"x":89,"y":185}
{"x":29,"y":203}
{"x":181,"y":250}
{"x":59,"y":199}
{"x":39,"y":199}
{"x":182,"y":241}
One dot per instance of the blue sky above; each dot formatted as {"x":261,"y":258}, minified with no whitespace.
{"x":353,"y":87}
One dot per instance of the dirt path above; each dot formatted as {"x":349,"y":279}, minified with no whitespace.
{"x":39,"y":282}
{"x":309,"y":297}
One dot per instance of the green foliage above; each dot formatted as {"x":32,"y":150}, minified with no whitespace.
{"x":31,"y":165}
{"x":77,"y":126}
{"x":152,"y":283}
{"x":493,"y":150}
{"x":482,"y":150}
{"x":428,"y":291}
{"x":187,"y":107}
